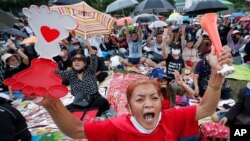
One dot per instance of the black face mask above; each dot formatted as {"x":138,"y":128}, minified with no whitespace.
{"x":79,"y":71}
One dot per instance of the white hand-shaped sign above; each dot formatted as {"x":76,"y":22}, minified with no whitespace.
{"x":49,"y":27}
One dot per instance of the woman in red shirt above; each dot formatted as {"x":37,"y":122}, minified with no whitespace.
{"x":147,"y":120}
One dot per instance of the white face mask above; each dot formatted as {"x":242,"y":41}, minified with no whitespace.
{"x":61,"y":53}
{"x":206,"y":57}
{"x":76,"y":46}
{"x":15,"y":66}
{"x":13,"y":38}
{"x":176,"y":51}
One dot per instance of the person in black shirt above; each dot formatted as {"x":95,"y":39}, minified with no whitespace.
{"x":64,"y":62}
{"x":173,"y":61}
{"x":13,"y":124}
{"x":101,"y":68}
{"x":110,"y":43}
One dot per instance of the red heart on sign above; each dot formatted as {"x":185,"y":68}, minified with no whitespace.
{"x":49,"y":34}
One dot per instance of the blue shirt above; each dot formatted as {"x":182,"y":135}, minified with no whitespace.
{"x":135,"y":49}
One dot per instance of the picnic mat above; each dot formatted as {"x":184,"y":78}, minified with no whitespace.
{"x":116,"y":93}
{"x":242,"y":72}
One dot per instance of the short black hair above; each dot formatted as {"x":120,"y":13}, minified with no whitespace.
{"x":134,"y":32}
{"x":94,"y":48}
{"x":158,"y":33}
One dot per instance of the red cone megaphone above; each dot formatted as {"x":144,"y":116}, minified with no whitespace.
{"x":209,"y":23}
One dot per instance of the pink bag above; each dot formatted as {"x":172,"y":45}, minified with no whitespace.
{"x":214,"y":130}
{"x":182,"y":100}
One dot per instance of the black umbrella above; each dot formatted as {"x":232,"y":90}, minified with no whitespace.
{"x":15,"y":32}
{"x":208,"y":6}
{"x":65,"y":2}
{"x":153,"y":6}
{"x":7,"y":19}
{"x":145,"y":18}
{"x":3,"y":27}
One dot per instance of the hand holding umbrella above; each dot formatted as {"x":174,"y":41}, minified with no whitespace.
{"x":126,"y":22}
{"x":209,"y":23}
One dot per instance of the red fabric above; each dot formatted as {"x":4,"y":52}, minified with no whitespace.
{"x":89,"y":116}
{"x":216,"y":130}
{"x":78,"y":114}
{"x":174,"y":124}
{"x":116,"y":93}
{"x":165,"y":104}
{"x":189,"y":63}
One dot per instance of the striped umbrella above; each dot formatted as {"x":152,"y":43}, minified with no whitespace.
{"x":90,"y":21}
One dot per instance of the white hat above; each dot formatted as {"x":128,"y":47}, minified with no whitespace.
{"x":236,"y":31}
{"x":5,"y":96}
{"x":227,"y":16}
{"x":248,"y":85}
{"x":5,"y":57}
{"x":204,"y":33}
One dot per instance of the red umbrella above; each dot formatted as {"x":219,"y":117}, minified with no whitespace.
{"x":246,"y":18}
{"x":121,"y":22}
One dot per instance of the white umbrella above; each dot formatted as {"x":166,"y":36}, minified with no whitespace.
{"x":157,"y":24}
{"x":120,"y":4}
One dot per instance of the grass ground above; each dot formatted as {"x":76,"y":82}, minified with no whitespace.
{"x":235,"y":86}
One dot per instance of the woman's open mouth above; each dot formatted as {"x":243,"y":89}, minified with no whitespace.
{"x":149,"y":116}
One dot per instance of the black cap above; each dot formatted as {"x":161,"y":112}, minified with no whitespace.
{"x":79,"y":57}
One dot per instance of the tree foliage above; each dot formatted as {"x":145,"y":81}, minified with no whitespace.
{"x":241,"y":4}
{"x":9,"y":5}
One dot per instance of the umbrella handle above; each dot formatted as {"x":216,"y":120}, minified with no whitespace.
{"x":85,"y":35}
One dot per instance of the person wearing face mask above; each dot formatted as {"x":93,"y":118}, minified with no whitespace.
{"x":14,"y":63}
{"x":202,"y":74}
{"x":173,"y":61}
{"x":235,"y":41}
{"x":64,"y":62}
{"x":146,"y":121}
{"x":83,"y":83}
{"x":134,"y":41}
